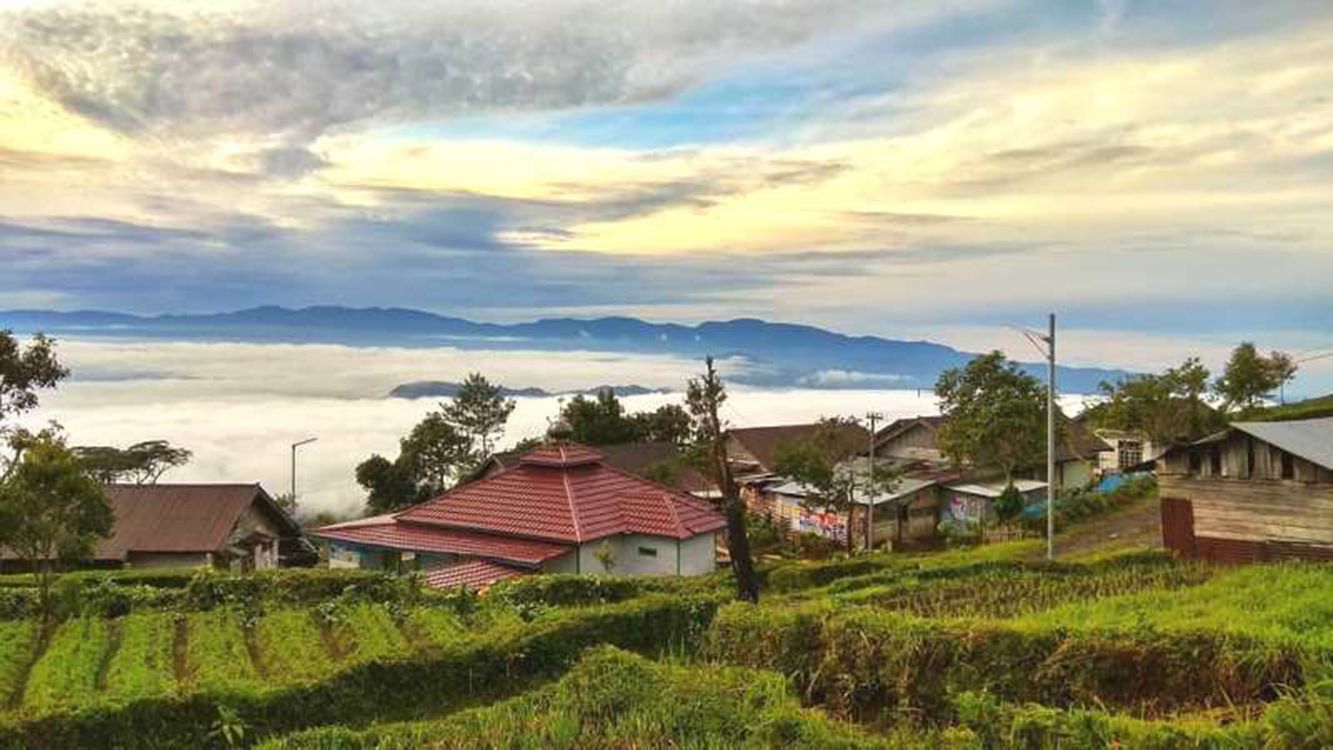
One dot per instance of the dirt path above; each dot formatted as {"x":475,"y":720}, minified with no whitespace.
{"x":1136,"y":525}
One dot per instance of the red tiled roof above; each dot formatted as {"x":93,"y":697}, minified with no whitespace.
{"x":567,"y":494}
{"x":562,"y":455}
{"x":407,"y":536}
{"x":473,"y":575}
{"x":635,"y":458}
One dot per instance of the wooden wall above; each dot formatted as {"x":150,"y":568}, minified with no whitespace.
{"x":917,"y":442}
{"x":1256,"y":509}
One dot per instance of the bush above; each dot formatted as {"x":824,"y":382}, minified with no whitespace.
{"x":612,"y":699}
{"x":865,"y":661}
{"x":426,"y":681}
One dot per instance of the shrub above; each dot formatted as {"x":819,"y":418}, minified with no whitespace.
{"x":862,"y":661}
{"x":429,"y":680}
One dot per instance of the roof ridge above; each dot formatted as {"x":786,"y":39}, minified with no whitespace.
{"x":569,"y":498}
{"x":671,"y":508}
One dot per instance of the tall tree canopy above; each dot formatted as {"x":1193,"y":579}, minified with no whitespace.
{"x":24,"y":372}
{"x":1168,"y":408}
{"x":51,"y":511}
{"x":141,"y":463}
{"x":444,"y":447}
{"x":995,"y":415}
{"x":704,"y":398}
{"x":603,"y":420}
{"x":1250,"y":378}
{"x":479,"y":411}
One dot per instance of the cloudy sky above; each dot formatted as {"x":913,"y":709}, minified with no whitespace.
{"x":1159,"y":173}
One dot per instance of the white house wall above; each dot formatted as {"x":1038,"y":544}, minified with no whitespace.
{"x":697,"y":556}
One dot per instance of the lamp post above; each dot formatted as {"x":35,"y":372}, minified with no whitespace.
{"x":296,"y":445}
{"x":1046,"y":345}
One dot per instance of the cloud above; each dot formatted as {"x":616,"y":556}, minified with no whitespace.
{"x":239,"y":406}
{"x":271,"y":72}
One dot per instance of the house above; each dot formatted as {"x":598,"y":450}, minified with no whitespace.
{"x":1078,"y":455}
{"x":973,"y":501}
{"x":911,"y":437}
{"x":562,"y":508}
{"x":645,"y":459}
{"x":1126,"y":449}
{"x":234,"y":527}
{"x":1255,"y":491}
{"x":753,"y":450}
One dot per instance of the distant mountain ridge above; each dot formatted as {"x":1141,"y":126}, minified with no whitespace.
{"x":448,"y":388}
{"x":776,"y":354}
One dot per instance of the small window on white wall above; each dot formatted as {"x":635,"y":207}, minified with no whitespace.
{"x":647,"y":552}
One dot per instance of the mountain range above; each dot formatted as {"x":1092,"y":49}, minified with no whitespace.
{"x":449,"y":389}
{"x":774,"y":354}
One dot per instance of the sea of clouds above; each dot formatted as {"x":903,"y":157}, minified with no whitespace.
{"x":239,"y":406}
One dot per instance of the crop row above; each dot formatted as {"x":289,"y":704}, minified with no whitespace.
{"x":148,"y":654}
{"x":1011,"y":591}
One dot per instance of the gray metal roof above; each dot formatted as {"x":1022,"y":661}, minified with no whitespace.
{"x":1311,"y":439}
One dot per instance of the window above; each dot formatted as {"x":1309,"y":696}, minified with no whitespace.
{"x":1288,"y":466}
{"x":1131,"y":453}
{"x":647,"y":552}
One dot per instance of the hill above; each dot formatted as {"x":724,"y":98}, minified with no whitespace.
{"x":780,"y":354}
{"x":448,"y":389}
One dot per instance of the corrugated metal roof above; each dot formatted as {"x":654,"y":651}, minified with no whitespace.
{"x":995,"y":489}
{"x":1310,"y":439}
{"x":175,"y":517}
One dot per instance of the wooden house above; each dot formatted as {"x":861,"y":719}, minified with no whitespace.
{"x":1256,"y":491}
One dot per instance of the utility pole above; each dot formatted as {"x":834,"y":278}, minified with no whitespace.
{"x":296,"y":445}
{"x":871,"y":492}
{"x":1050,"y":441}
{"x":1046,"y":345}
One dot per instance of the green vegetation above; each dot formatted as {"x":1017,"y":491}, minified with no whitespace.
{"x":612,"y":699}
{"x":1284,"y":602}
{"x":217,"y":657}
{"x":17,"y":640}
{"x":371,"y":634}
{"x":290,"y":646}
{"x":66,"y":675}
{"x":141,"y":665}
{"x":969,"y":648}
{"x":1311,"y":408}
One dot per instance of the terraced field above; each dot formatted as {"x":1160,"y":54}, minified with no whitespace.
{"x":970,"y":648}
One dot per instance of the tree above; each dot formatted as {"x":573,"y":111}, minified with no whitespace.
{"x":1168,"y":408}
{"x":704,"y":398}
{"x":23,"y":372}
{"x":479,"y":410}
{"x":820,"y":462}
{"x":51,"y":512}
{"x":141,"y":463}
{"x":1009,"y":505}
{"x":995,"y":415}
{"x":435,"y":454}
{"x":600,"y":420}
{"x":668,"y":423}
{"x":389,"y":486}
{"x":1249,"y":377}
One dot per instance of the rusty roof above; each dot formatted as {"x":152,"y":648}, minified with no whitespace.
{"x":180,"y":517}
{"x":761,"y":442}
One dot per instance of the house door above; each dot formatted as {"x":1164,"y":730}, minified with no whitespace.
{"x":1178,"y":526}
{"x":902,"y":523}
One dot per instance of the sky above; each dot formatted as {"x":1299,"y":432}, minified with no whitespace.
{"x":1160,"y":174}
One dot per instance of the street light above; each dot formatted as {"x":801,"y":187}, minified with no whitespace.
{"x":1046,"y":345}
{"x":296,"y":445}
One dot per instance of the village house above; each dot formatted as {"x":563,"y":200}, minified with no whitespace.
{"x":236,"y":527}
{"x":561,"y":508}
{"x":1255,"y":491}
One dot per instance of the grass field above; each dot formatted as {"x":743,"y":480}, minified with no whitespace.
{"x":967,"y":648}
